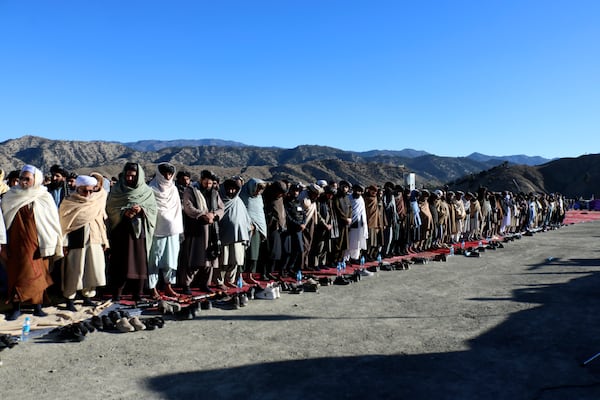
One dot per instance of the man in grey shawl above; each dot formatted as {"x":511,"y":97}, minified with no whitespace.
{"x":251,"y":195}
{"x":234,"y":228}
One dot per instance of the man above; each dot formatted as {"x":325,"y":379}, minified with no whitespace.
{"x":82,"y":218}
{"x":71,"y":184}
{"x":164,"y":252}
{"x":308,"y":200}
{"x":321,"y":243}
{"x":296,"y":223}
{"x":276,"y":227}
{"x":132,"y":213}
{"x":12,"y":178}
{"x":374,"y":221}
{"x":183,"y":180}
{"x":251,"y":195}
{"x":202,"y":208}
{"x":58,"y":184}
{"x":342,"y":210}
{"x":390,"y":214}
{"x":234,"y":229}
{"x":34,"y":237}
{"x":359,"y":231}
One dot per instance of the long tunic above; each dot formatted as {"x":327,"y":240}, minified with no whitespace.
{"x":84,"y":265}
{"x":27,"y":272}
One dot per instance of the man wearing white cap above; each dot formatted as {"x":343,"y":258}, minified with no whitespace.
{"x":82,"y":217}
{"x":33,"y":238}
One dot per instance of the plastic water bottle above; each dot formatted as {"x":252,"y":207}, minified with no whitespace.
{"x":362,"y":260}
{"x":480,"y":244}
{"x":339,"y":269}
{"x":379,"y":259}
{"x":462,"y":245}
{"x":26,"y":329}
{"x":451,"y":250}
{"x":299,"y":277}
{"x":344,"y":266}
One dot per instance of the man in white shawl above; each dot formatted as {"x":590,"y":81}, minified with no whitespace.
{"x":164,"y":252}
{"x":359,"y":231}
{"x":34,"y":237}
{"x":234,"y":227}
{"x":82,"y":218}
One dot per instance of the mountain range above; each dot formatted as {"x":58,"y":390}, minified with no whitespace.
{"x":308,"y":163}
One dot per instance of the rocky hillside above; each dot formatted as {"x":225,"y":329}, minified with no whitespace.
{"x":574,"y":177}
{"x":307,"y":164}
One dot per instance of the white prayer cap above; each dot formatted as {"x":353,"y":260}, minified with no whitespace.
{"x":85,"y":180}
{"x":29,"y":168}
{"x":322,"y":183}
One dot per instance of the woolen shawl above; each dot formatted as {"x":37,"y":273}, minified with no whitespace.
{"x":122,"y":197}
{"x":235,"y":224}
{"x":169,"y":221}
{"x":44,"y":211}
{"x":77,"y":211}
{"x":255,"y":205}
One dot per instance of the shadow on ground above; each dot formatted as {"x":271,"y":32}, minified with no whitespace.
{"x":536,"y":353}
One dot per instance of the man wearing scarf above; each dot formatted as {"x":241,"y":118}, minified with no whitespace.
{"x":342,"y":210}
{"x":202,"y":208}
{"x":374,"y":221}
{"x":308,"y":200}
{"x":296,"y":223}
{"x":251,"y":195}
{"x":275,"y":216}
{"x":58,"y":184}
{"x":321,"y":243}
{"x":132,"y":213}
{"x":164,"y":252}
{"x":359,"y":232}
{"x":33,"y":237}
{"x":82,"y":218}
{"x":234,"y":228}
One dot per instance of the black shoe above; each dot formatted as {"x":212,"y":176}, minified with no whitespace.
{"x":71,"y":305}
{"x":14,"y":314}
{"x":107,"y":324}
{"x":89,"y":303}
{"x":341,"y":281}
{"x":96,"y":322}
{"x":206,"y":289}
{"x":38,"y":312}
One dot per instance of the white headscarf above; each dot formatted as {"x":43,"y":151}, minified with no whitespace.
{"x":169,"y":220}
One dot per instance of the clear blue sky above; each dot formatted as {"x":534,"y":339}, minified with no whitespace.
{"x":452,"y":77}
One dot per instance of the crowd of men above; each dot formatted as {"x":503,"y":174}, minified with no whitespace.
{"x":137,"y":236}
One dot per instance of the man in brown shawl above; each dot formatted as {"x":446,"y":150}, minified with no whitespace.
{"x":275,"y":216}
{"x":34,"y":238}
{"x":374,"y":222}
{"x":132,"y":213}
{"x":202,"y":210}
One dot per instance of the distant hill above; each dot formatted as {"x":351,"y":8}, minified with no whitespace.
{"x":154,"y":145}
{"x":517,"y":159}
{"x":306,"y":163}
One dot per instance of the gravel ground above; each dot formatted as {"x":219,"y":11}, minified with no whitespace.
{"x":512,"y":324}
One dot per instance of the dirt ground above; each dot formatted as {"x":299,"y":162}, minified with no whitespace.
{"x":516,"y":323}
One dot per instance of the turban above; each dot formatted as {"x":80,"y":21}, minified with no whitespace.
{"x":85,"y":180}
